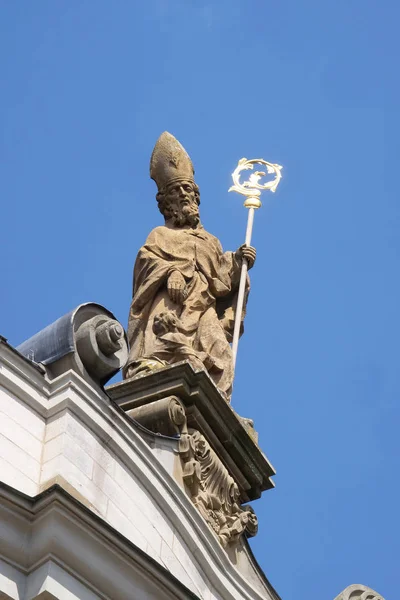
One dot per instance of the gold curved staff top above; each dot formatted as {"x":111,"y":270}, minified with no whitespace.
{"x":251,"y":189}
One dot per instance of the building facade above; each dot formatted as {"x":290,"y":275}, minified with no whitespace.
{"x":138,"y":490}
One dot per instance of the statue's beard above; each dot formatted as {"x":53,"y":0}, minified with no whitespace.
{"x":186,"y":215}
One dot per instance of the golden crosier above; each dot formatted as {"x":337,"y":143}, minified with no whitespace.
{"x":252,"y":187}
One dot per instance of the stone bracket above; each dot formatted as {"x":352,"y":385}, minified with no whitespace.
{"x":210,"y":486}
{"x":207,"y":412}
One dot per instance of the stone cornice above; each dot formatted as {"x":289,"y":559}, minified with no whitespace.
{"x":56,"y":510}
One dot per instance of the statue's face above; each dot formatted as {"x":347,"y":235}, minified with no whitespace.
{"x":181,"y":200}
{"x":182,"y":192}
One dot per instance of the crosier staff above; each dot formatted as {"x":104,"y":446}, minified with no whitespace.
{"x":252,"y":190}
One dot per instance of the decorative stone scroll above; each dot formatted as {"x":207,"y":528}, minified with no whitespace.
{"x":166,"y":416}
{"x":212,"y":489}
{"x":88,"y":340}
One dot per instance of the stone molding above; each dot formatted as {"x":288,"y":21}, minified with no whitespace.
{"x":67,"y":534}
{"x":131,"y":444}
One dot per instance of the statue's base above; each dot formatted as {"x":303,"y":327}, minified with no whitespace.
{"x":231,"y":438}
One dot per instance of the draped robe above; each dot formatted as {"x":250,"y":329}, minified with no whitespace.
{"x":206,"y":315}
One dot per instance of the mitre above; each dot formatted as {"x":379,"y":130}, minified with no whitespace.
{"x":170,"y":162}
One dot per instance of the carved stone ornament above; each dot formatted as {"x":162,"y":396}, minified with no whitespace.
{"x":359,"y":592}
{"x":213,"y":491}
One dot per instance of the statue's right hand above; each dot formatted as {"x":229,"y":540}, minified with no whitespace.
{"x":176,"y":286}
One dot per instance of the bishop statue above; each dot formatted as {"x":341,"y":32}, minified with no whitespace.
{"x":184,"y":285}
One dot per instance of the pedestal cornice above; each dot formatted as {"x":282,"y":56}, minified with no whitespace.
{"x":208,"y":412}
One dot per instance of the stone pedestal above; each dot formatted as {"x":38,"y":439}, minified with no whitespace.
{"x":221,"y":466}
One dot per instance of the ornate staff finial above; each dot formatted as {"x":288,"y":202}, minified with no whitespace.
{"x":251,"y":189}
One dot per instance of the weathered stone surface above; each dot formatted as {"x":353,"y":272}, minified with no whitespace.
{"x":207,"y":412}
{"x":185,"y":286}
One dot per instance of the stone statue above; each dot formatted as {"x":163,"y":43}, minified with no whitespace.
{"x":185,"y":286}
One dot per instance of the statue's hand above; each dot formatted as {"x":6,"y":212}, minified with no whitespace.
{"x":247,"y":252}
{"x":176,"y":286}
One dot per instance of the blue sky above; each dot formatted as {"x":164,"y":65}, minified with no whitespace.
{"x":87,"y":87}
